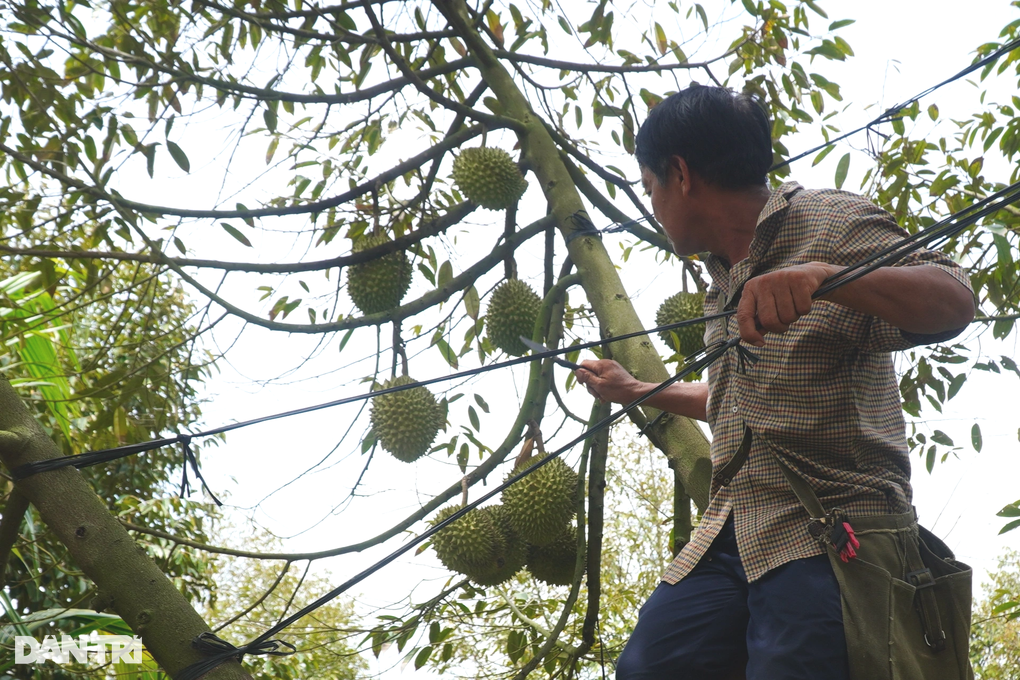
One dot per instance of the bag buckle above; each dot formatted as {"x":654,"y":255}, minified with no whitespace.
{"x":921,"y":579}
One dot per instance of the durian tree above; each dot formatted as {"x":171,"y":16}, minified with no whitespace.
{"x":431,"y":177}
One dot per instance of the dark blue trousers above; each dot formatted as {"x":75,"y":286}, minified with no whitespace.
{"x":714,"y":625}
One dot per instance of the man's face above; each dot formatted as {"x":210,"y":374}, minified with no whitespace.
{"x":669,"y":205}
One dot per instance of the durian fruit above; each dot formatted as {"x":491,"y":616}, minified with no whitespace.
{"x":512,"y":312}
{"x":406,"y":422}
{"x":511,"y":559}
{"x":555,"y":563}
{"x":681,"y":307}
{"x":380,"y":284}
{"x":541,"y":504}
{"x":470,"y":545}
{"x":489,"y":177}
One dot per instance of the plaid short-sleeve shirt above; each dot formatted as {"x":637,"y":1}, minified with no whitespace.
{"x":823,"y":396}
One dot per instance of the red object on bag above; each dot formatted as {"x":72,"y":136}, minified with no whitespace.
{"x":849,"y":550}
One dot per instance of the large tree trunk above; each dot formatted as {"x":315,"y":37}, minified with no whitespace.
{"x":680,"y":440}
{"x":140,"y":593}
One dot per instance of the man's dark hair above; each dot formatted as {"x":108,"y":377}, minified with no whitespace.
{"x":725,"y":137}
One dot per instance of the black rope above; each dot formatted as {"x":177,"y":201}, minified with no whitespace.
{"x":940,"y":231}
{"x":107,"y":455}
{"x":583,"y":226}
{"x":225,"y":651}
{"x":890,"y":113}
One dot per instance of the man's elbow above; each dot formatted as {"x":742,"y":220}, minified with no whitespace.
{"x":958,"y":307}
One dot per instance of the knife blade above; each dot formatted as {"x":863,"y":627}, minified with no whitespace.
{"x":539,"y":347}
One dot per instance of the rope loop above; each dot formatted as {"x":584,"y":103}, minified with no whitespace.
{"x":220,"y":651}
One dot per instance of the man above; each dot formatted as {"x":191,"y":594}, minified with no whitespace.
{"x":753,"y":593}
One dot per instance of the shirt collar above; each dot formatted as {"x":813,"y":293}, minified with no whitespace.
{"x":764,"y":231}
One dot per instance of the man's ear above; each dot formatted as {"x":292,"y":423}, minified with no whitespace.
{"x":679,"y":166}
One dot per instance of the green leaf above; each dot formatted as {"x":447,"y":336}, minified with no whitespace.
{"x":702,"y":15}
{"x":751,"y":8}
{"x":933,"y":111}
{"x":821,"y":155}
{"x":347,"y":336}
{"x":1009,"y":526}
{"x":473,"y":417}
{"x":564,"y":25}
{"x":472,"y":305}
{"x":235,"y":232}
{"x":975,"y":437}
{"x":482,"y":403}
{"x":446,"y":351}
{"x":1011,"y":510}
{"x":929,"y":461}
{"x":269,"y":116}
{"x":836,"y":25}
{"x":445,"y":274}
{"x":271,"y":150}
{"x":177,"y":153}
{"x":816,"y":8}
{"x":150,"y":158}
{"x":660,"y":38}
{"x":841,"y":169}
{"x":423,"y":657}
{"x":940,"y":437}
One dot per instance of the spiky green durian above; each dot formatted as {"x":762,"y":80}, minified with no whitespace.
{"x":511,"y":559}
{"x":470,"y":545}
{"x":512,"y":312}
{"x":555,"y":563}
{"x":540,"y":505}
{"x":406,"y":422}
{"x":489,"y":177}
{"x":681,"y":307}
{"x":380,"y":284}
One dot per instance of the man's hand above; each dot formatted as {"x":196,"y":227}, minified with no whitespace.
{"x":771,"y":302}
{"x":607,"y":380}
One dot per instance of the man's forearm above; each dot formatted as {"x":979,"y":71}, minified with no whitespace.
{"x":683,"y":399}
{"x":919,"y":299}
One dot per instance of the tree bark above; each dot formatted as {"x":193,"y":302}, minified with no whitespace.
{"x":680,"y":440}
{"x":140,"y":593}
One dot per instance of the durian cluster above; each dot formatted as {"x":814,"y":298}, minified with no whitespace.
{"x":532,"y":528}
{"x":686,"y":340}
{"x":489,"y":177}
{"x":512,"y":312}
{"x":406,"y":422}
{"x":380,"y":284}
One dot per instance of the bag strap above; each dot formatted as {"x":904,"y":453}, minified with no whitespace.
{"x":918,"y":575}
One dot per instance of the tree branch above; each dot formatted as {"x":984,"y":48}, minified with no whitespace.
{"x":14,"y":512}
{"x":430,"y":228}
{"x":365,"y":187}
{"x":519,"y":58}
{"x":466,"y":278}
{"x":345,"y":36}
{"x":265,"y":94}
{"x":446,"y":102}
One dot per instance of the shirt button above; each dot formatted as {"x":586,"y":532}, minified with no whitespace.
{"x":734,"y":409}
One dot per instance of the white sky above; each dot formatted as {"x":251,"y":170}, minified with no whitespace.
{"x":901,"y":47}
